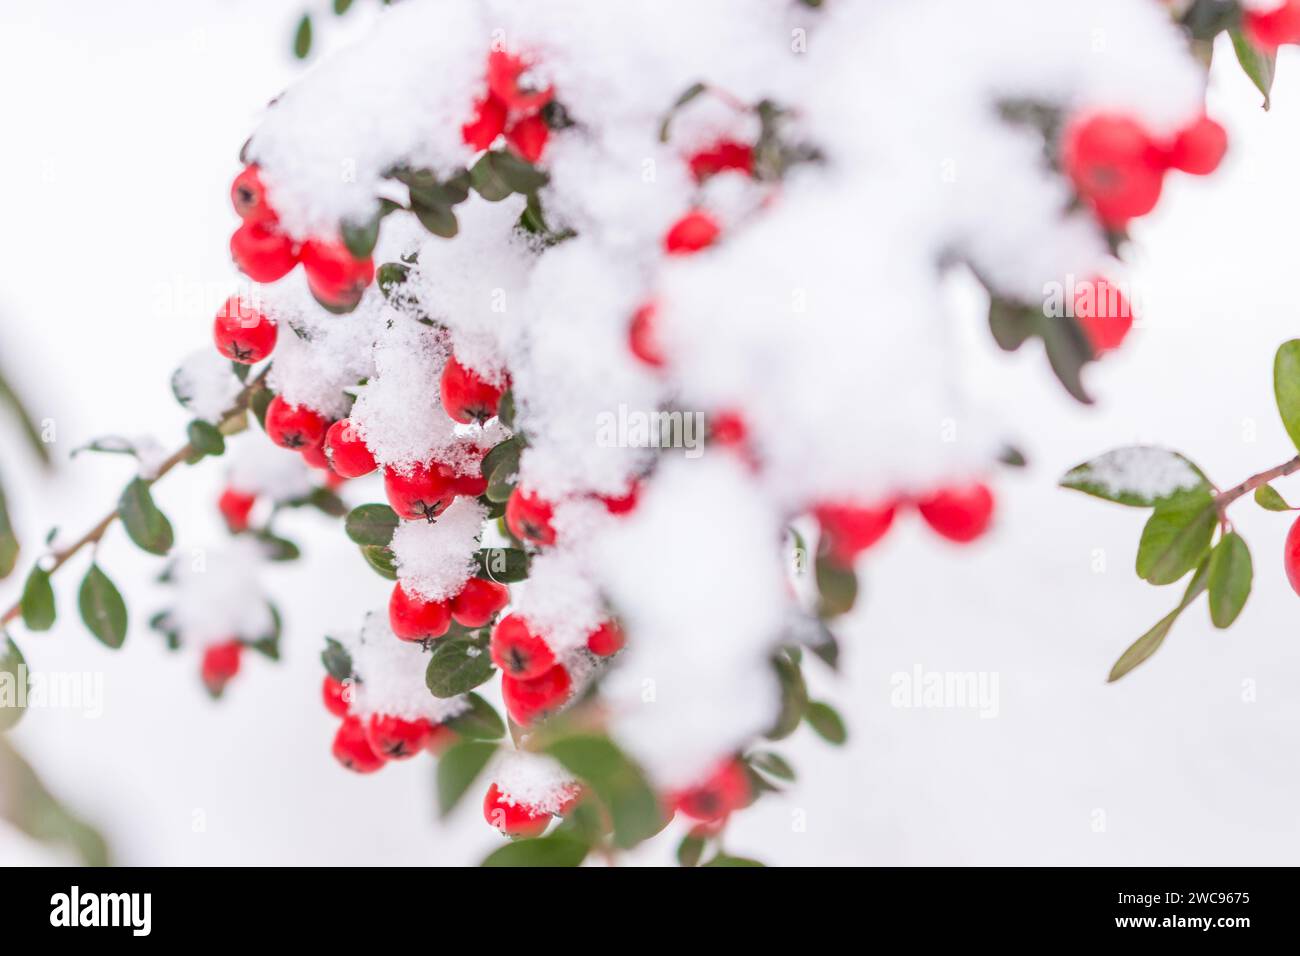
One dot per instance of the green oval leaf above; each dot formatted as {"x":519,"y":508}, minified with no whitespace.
{"x":145,"y":524}
{"x":337,"y":661}
{"x":302,"y":38}
{"x":556,"y":850}
{"x":1139,"y":476}
{"x":773,"y":765}
{"x":206,"y":438}
{"x":837,"y":585}
{"x":1177,"y":536}
{"x":458,"y":768}
{"x":617,"y":781}
{"x":38,"y":601}
{"x":360,"y":239}
{"x":1286,"y":387}
{"x":1150,"y":642}
{"x":794,"y":697}
{"x":457,"y":666}
{"x":487,"y":182}
{"x":725,"y":860}
{"x":1230,"y":575}
{"x":1266,"y":497}
{"x":381,"y":560}
{"x":371,"y":525}
{"x":1258,"y":66}
{"x":13,"y":684}
{"x":502,"y":565}
{"x":102,"y":608}
{"x":480,"y":722}
{"x":690,"y":850}
{"x":824,"y":719}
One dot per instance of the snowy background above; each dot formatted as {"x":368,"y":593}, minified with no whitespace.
{"x":123,"y":123}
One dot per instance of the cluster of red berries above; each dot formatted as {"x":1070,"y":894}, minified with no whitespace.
{"x":534,"y":683}
{"x":366,"y":745}
{"x":266,"y":253}
{"x":511,"y":106}
{"x":959,"y":513}
{"x":1118,"y":167}
{"x":1270,"y":29}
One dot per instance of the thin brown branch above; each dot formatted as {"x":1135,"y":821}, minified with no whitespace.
{"x":1223,"y":499}
{"x":61,"y":556}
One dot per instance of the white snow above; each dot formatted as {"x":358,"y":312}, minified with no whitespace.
{"x":206,"y":385}
{"x":390,"y":675}
{"x":1141,"y":470}
{"x":217,"y":594}
{"x":532,"y":780}
{"x":434,"y":559}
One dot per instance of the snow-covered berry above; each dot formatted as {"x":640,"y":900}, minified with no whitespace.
{"x":511,"y":818}
{"x":347,"y":452}
{"x":421,"y":492}
{"x":414,"y":619}
{"x":235,"y":506}
{"x":529,"y":701}
{"x":294,"y":426}
{"x":529,"y":517}
{"x":466,"y":396}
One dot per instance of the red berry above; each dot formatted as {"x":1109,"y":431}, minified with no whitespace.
{"x":469,"y":485}
{"x":1291,"y":556}
{"x":959,"y":514}
{"x":294,"y":426}
{"x":1270,"y":29}
{"x":623,"y":504}
{"x":1103,"y":313}
{"x":529,"y":517}
{"x":262,"y":252}
{"x":395,"y":738}
{"x":337,"y":278}
{"x":220,"y":664}
{"x":726,"y":790}
{"x":848,"y":530}
{"x":248,"y":196}
{"x":728,"y":429}
{"x":1114,"y":165}
{"x":348,"y":454}
{"x":414,"y":619}
{"x":242,"y":333}
{"x":641,"y":337}
{"x":606,"y":640}
{"x":488,"y":123}
{"x":423,"y":493}
{"x":336,"y":695}
{"x":478,"y":602}
{"x":513,"y":819}
{"x":353,"y":750}
{"x":1199,"y":148}
{"x":528,"y":701}
{"x":519,"y":652}
{"x":721,"y":156}
{"x":315,"y":457}
{"x":694,"y":231}
{"x":528,"y":137}
{"x":235,"y":507}
{"x":466,"y":396}
{"x":505,"y":77}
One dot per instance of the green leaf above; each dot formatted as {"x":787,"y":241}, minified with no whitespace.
{"x":145,"y":524}
{"x":457,"y":666}
{"x":206,"y":438}
{"x":13,"y":684}
{"x":690,"y":850}
{"x":38,"y":601}
{"x":276,"y":548}
{"x":520,"y":175}
{"x":1230,"y":573}
{"x":381,"y":560}
{"x":503,"y":460}
{"x":1258,"y":65}
{"x":458,"y":768}
{"x":10,"y":399}
{"x":8,"y":540}
{"x":692,"y":91}
{"x":558,"y":849}
{"x":503,"y":565}
{"x":1140,"y":476}
{"x":1012,"y":323}
{"x":487,"y":182}
{"x":391,"y":275}
{"x":794,"y":697}
{"x":257,"y":403}
{"x":32,"y":809}
{"x":1150,"y":642}
{"x":360,"y":239}
{"x":723,"y":859}
{"x":773,"y":765}
{"x":268,"y":645}
{"x":337,"y":661}
{"x":824,"y":719}
{"x":837,"y":585}
{"x":439,"y":220}
{"x":1286,"y":387}
{"x":371,"y":525}
{"x":616,"y":781}
{"x":102,"y":608}
{"x":1068,"y":351}
{"x":342,"y":6}
{"x":302,"y":38}
{"x":1266,"y":497}
{"x":1177,"y":536}
{"x":480,"y":722}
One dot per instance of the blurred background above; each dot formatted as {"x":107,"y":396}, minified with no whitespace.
{"x":123,"y":123}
